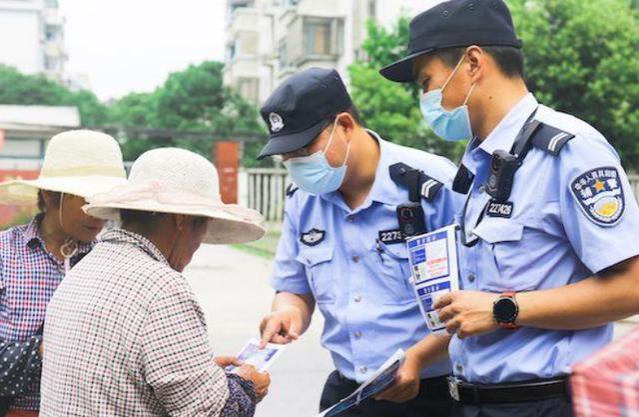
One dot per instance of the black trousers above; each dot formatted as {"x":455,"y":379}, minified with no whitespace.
{"x":433,"y":400}
{"x":555,"y":407}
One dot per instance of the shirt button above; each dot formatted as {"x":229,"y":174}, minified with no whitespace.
{"x":482,"y":189}
{"x":471,"y":277}
{"x":356,"y":259}
{"x":357,"y":298}
{"x":358,"y":335}
{"x":350,"y":219}
{"x":459,"y":368}
{"x":363,"y":369}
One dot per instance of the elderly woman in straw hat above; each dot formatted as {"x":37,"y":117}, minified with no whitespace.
{"x":34,"y":257}
{"x":125,"y":335}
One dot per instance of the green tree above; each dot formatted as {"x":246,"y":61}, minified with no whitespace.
{"x":389,"y":108}
{"x":190,"y":100}
{"x":22,"y":89}
{"x":581,"y":58}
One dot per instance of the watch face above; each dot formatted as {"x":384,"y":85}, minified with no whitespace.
{"x":505,"y":310}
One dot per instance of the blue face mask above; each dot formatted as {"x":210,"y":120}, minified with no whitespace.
{"x":314,"y":174}
{"x":453,"y":125}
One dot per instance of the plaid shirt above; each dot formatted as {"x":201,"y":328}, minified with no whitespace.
{"x":126,"y":337}
{"x":607,"y":385}
{"x":29,"y":274}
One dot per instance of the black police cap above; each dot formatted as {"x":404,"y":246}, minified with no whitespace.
{"x":299,"y":109}
{"x":454,"y":24}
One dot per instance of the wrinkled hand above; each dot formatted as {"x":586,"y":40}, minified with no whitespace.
{"x":407,"y":381}
{"x":225,"y":361}
{"x":467,"y":313}
{"x":261,"y":380}
{"x":281,"y":327}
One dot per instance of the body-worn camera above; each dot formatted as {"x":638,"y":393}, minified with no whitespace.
{"x":411,"y":219}
{"x":502,"y":174}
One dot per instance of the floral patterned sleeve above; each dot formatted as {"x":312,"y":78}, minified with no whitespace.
{"x":242,"y":399}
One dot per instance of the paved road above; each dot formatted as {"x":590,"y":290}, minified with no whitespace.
{"x":233,"y":289}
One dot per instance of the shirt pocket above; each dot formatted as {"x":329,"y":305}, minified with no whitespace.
{"x":503,"y":256}
{"x":394,"y":274}
{"x":318,"y":261}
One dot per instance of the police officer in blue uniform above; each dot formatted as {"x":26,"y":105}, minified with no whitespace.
{"x":549,"y":229}
{"x":355,"y":199}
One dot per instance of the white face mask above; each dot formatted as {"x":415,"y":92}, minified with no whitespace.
{"x":314,"y":174}
{"x":453,"y":125}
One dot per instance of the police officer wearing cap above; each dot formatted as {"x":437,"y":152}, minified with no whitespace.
{"x":549,"y":229}
{"x":342,"y":246}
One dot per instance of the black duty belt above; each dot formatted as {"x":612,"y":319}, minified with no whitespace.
{"x":476,"y":394}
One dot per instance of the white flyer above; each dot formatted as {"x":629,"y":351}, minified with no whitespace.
{"x":435,"y":270}
{"x":261,"y":359}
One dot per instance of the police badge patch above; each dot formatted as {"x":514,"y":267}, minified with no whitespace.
{"x":313,"y":237}
{"x":600,"y":195}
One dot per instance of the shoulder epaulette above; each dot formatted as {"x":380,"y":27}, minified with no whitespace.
{"x":418,"y":183}
{"x":550,"y":138}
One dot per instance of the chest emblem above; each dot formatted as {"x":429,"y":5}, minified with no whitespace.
{"x":313,"y":237}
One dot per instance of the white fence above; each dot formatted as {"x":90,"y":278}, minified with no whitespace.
{"x":265,"y":191}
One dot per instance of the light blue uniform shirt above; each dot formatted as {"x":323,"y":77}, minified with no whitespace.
{"x":362,"y":287}
{"x":552,"y":239}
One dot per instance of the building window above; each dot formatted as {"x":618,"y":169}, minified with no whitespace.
{"x":289,"y":3}
{"x":372,"y":9}
{"x":282,"y":55}
{"x":249,"y":88}
{"x":317,"y":37}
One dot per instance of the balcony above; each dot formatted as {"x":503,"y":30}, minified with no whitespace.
{"x":312,"y":38}
{"x":243,"y":19}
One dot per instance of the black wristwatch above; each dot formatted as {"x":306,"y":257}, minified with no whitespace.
{"x":506,"y":310}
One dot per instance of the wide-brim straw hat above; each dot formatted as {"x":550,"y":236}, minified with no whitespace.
{"x":78,"y":162}
{"x":177,"y":181}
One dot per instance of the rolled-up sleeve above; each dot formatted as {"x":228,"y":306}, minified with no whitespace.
{"x":178,"y":362}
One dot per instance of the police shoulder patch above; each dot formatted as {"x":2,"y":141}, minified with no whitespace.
{"x":600,"y":195}
{"x":313,"y":237}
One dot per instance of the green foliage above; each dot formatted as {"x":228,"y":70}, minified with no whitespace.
{"x":581,"y":58}
{"x":189,"y":100}
{"x":18,"y":88}
{"x":392,"y":109}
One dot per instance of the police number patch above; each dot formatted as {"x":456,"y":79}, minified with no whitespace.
{"x":391,"y":237}
{"x":313,"y":237}
{"x":497,"y":209}
{"x":600,"y":195}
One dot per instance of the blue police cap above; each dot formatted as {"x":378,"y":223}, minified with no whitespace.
{"x":300,"y":108}
{"x":455,"y":24}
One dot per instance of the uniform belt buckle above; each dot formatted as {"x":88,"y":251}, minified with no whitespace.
{"x":453,"y":388}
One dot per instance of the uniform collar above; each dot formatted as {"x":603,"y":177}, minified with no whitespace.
{"x":31,"y":236}
{"x":121,"y":236}
{"x":383,"y":188}
{"x":503,"y":136}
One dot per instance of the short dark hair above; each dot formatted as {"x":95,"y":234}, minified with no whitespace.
{"x":353,"y":111}
{"x":148,"y":218}
{"x":139,"y":217}
{"x":55,"y":196}
{"x":509,"y":59}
